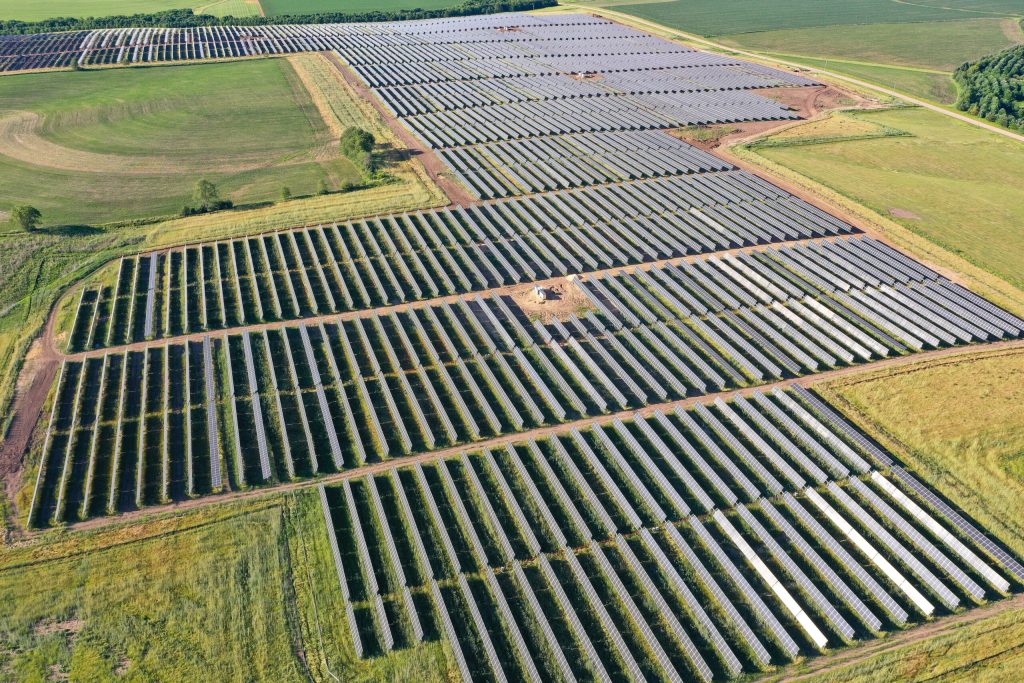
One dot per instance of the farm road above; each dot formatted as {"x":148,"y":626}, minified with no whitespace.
{"x":421,"y":303}
{"x":508,"y":439}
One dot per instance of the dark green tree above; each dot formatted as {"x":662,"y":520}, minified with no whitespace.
{"x":28,"y":217}
{"x":206,"y":196}
{"x":357,"y":144}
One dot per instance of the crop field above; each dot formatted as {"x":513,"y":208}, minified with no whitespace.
{"x":557,"y":429}
{"x":749,"y":16}
{"x":38,"y":10}
{"x":275,"y":7}
{"x":104,"y":147}
{"x":940,"y":45}
{"x":606,"y":553}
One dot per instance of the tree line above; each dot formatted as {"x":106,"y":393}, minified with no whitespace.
{"x":186,"y":18}
{"x":993,"y":87}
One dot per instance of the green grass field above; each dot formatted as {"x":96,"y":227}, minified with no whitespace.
{"x":881,"y":41}
{"x":712,"y":18}
{"x":243,"y":591}
{"x":37,"y":10}
{"x":273,"y":7}
{"x":114,"y":145}
{"x":960,"y":184}
{"x":971,"y":448}
{"x":940,"y":45}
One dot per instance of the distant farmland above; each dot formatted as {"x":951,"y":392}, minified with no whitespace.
{"x":100,"y":147}
{"x":711,"y":18}
{"x":274,"y":7}
{"x":37,"y":10}
{"x":858,"y":38}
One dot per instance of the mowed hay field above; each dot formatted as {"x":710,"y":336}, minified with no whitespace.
{"x":277,"y":7}
{"x":955,"y":185}
{"x":37,"y":10}
{"x":113,"y":145}
{"x":245,"y":591}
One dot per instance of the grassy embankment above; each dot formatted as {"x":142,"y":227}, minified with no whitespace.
{"x":240,"y":591}
{"x":312,"y":99}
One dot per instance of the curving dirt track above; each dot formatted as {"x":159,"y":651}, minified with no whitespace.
{"x":37,"y":375}
{"x":20,"y":140}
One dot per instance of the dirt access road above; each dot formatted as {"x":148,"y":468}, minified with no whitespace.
{"x":436,"y":169}
{"x":541,"y":432}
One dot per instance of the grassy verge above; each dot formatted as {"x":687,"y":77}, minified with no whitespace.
{"x":240,"y":591}
{"x":959,"y":424}
{"x":937,"y":86}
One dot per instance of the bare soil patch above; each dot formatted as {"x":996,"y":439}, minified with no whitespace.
{"x":808,"y":103}
{"x":48,"y":627}
{"x":560,"y":298}
{"x":903,"y":213}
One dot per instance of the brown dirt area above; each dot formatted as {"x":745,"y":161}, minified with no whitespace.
{"x":561,"y":299}
{"x":37,"y":375}
{"x":903,"y":213}
{"x":808,"y":103}
{"x":48,"y":627}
